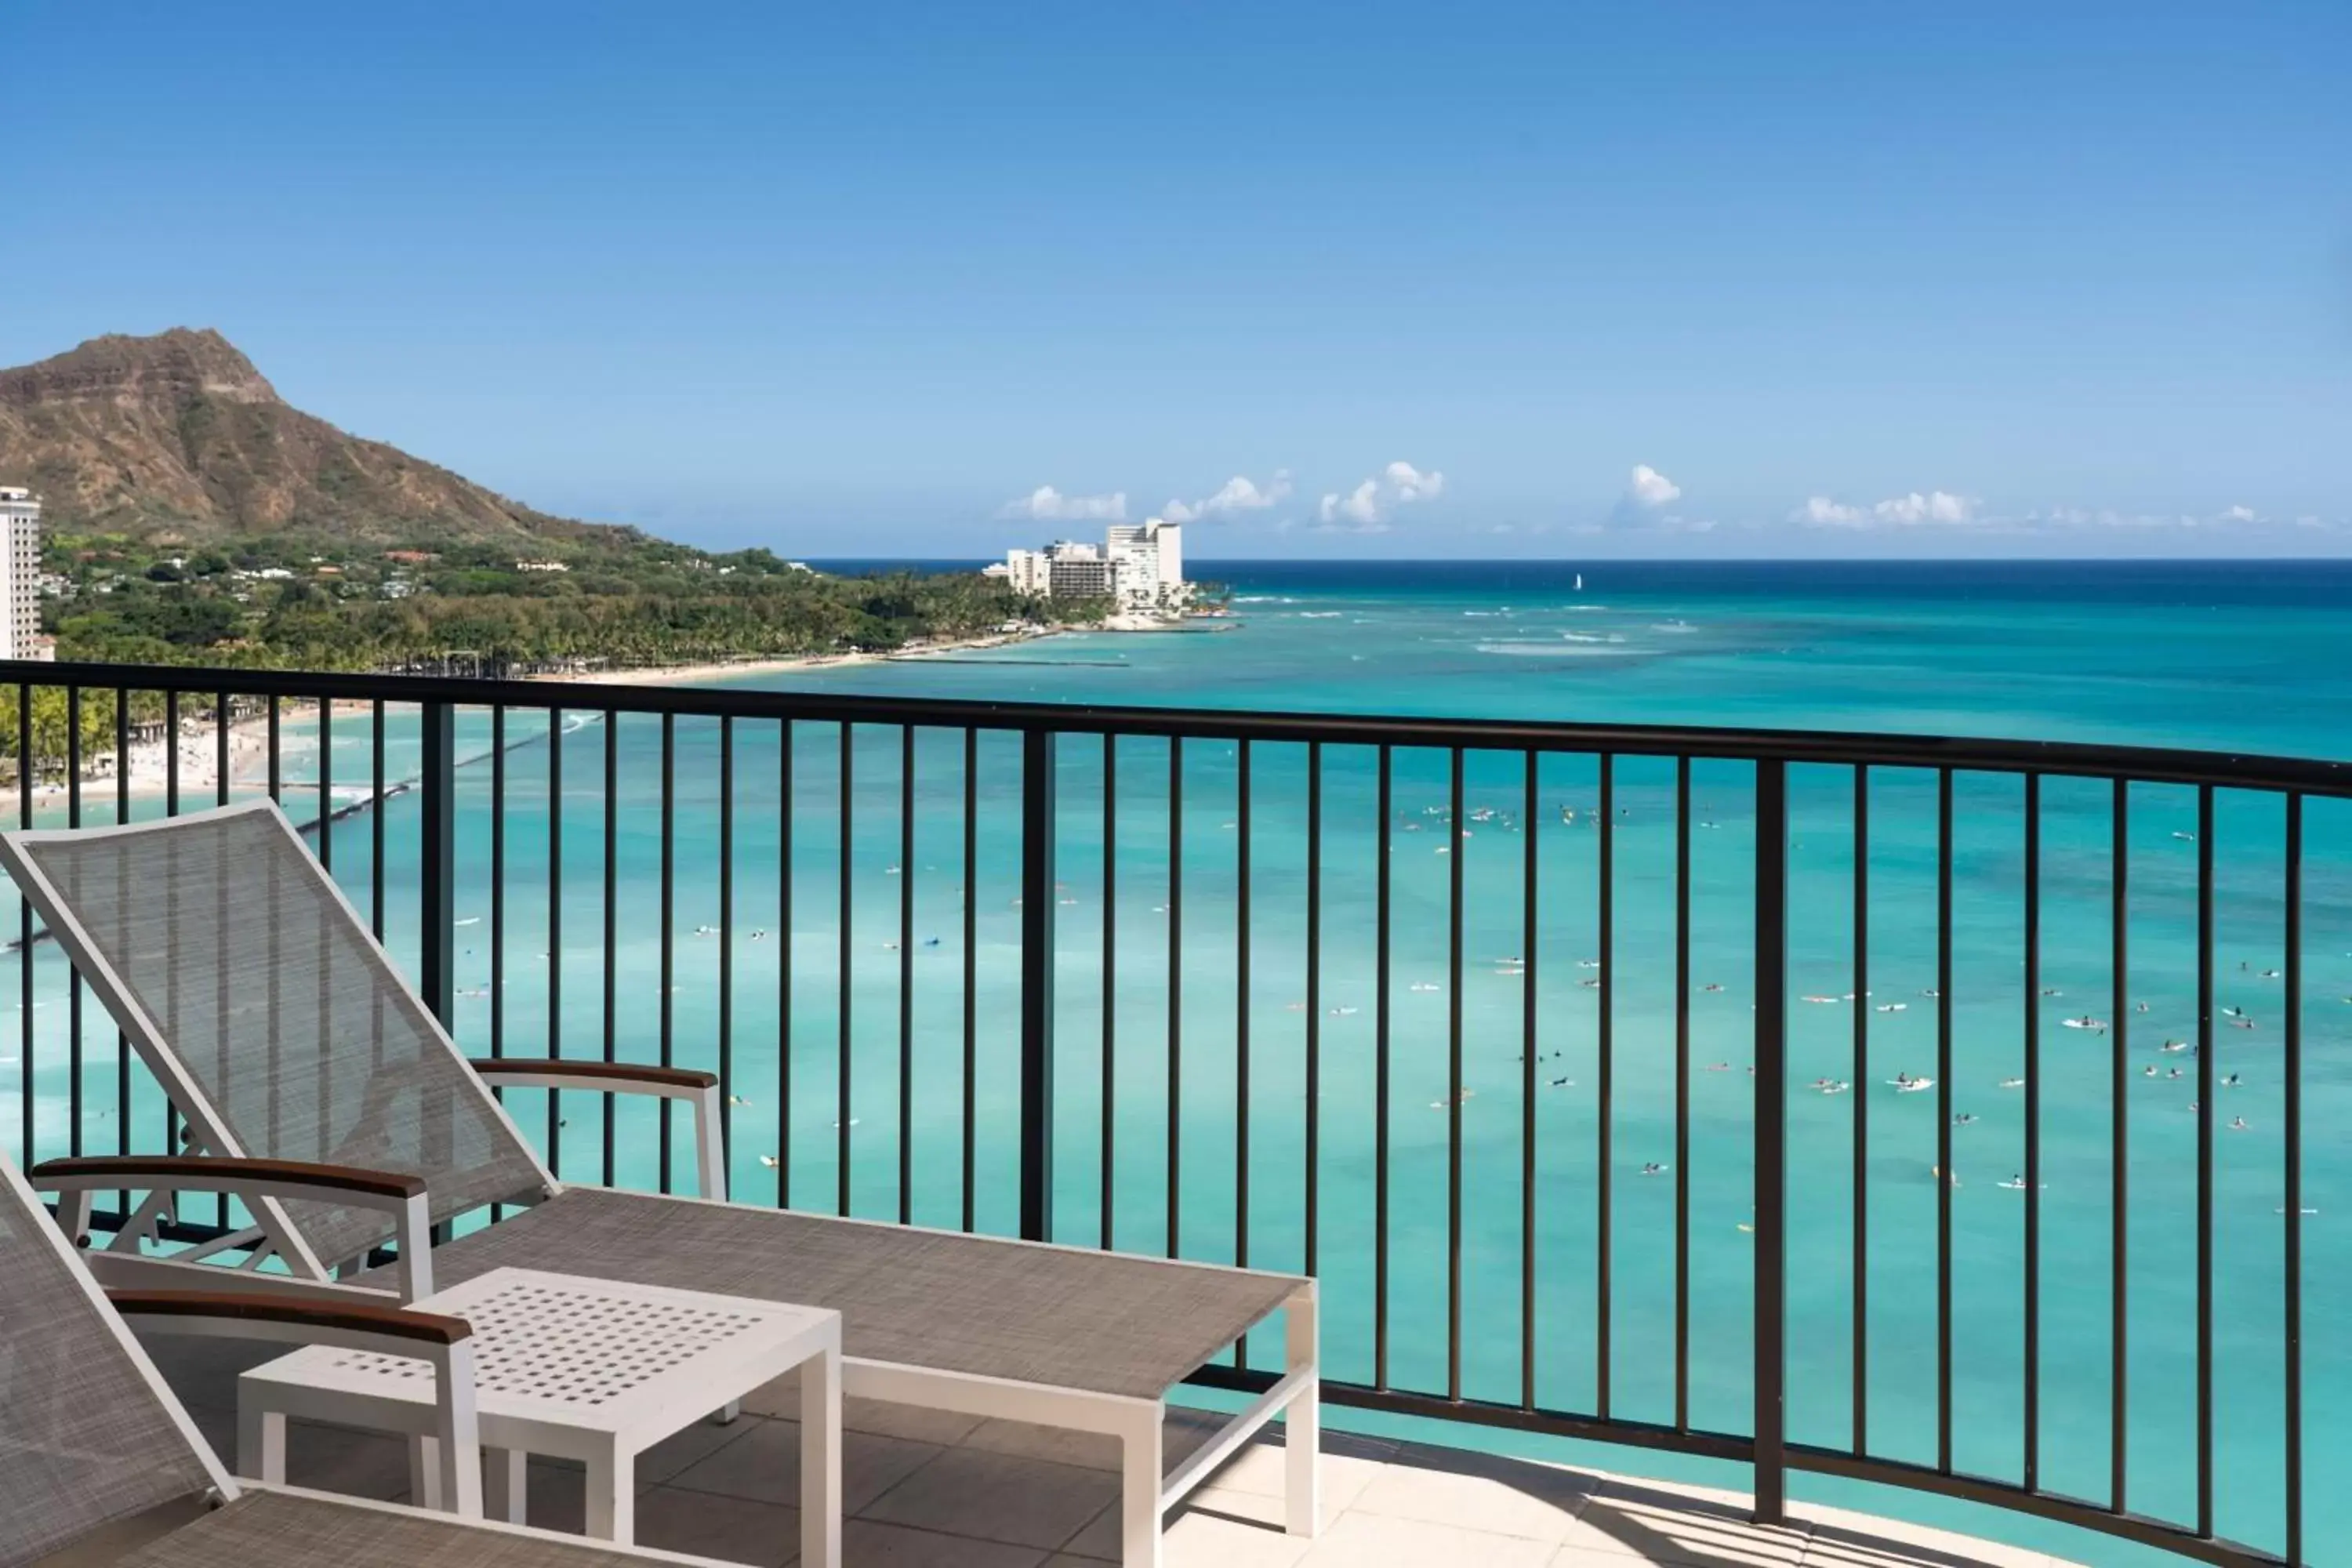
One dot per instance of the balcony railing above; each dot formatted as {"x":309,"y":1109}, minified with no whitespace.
{"x":1498,"y":1029}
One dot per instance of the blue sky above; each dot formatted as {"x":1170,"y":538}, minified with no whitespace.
{"x":1574,"y":280}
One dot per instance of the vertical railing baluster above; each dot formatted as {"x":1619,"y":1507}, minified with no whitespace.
{"x":665,"y":1004}
{"x":1110,"y":983}
{"x":2118,"y":1156}
{"x":1037,"y":831}
{"x":375,"y":804}
{"x":2032,"y":1022}
{"x":277,"y":776}
{"x":1312,"y":1153}
{"x":971,"y":975}
{"x":725,"y":946}
{"x":785,"y":964}
{"x":1682,"y":1091}
{"x":905,"y":975}
{"x":73,"y":982}
{"x":28,"y":764}
{"x":2205,"y":1161}
{"x":122,"y":1041}
{"x":171,"y":808}
{"x":1454,"y":857}
{"x":1771,"y":1116}
{"x":2292,"y":1285}
{"x":1381,"y":1076}
{"x":1861,"y":1096}
{"x":437,"y":882}
{"x":609,"y":1041}
{"x":326,"y":784}
{"x":499,"y":880}
{"x":1175,"y":990}
{"x":1605,"y":1050}
{"x":846,"y":870}
{"x":554,"y":927}
{"x":1944,"y":1119}
{"x":1530,"y":941}
{"x":1242,"y":1022}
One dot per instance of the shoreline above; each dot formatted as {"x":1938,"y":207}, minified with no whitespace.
{"x":199,"y":779}
{"x":704,"y":674}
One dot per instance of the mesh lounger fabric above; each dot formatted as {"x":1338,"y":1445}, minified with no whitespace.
{"x":235,"y":944}
{"x":273,"y":1530}
{"x":1099,"y":1322}
{"x":84,"y":1442}
{"x":267,"y":990}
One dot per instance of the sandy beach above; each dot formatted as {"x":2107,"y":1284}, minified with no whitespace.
{"x":737,"y":669}
{"x":199,"y":778}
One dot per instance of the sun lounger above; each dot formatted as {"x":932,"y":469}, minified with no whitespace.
{"x":285,"y":1035}
{"x":100,"y":1466}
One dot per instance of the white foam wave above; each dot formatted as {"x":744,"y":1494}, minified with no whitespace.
{"x":1554,"y":650}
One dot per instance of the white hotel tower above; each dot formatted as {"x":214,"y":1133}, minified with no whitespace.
{"x":20,"y":576}
{"x":1140,"y":566}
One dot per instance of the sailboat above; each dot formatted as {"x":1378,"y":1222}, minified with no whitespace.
{"x":1579,"y":582}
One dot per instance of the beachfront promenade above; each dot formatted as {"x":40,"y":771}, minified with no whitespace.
{"x":1501,"y":1030}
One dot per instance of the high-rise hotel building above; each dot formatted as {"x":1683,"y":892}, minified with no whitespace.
{"x":20,"y":576}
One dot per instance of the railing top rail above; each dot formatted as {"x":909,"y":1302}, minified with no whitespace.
{"x":2151,"y":765}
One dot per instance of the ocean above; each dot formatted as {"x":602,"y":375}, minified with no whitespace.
{"x":2235,"y":657}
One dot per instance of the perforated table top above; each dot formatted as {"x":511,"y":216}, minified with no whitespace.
{"x":580,"y":1353}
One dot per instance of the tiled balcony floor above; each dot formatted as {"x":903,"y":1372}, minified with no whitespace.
{"x":928,"y":1490}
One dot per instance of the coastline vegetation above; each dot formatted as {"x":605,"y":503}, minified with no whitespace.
{"x":317,"y":603}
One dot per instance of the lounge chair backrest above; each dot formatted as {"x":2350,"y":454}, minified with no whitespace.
{"x":269,"y":1011}
{"x":87,"y":1441}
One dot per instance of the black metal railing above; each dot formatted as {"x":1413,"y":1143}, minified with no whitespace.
{"x":1498,"y":1273}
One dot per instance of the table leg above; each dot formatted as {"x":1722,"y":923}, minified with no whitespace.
{"x":425,"y":1472}
{"x":1302,"y":1423}
{"x":612,"y":1496}
{"x":260,"y":1443}
{"x":821,"y":1460}
{"x":1139,"y":1508}
{"x":504,"y":1482}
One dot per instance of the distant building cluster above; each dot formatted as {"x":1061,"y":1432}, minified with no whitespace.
{"x":20,"y":576}
{"x":1139,"y":567}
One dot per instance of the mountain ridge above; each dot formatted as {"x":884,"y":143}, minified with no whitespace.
{"x":179,"y":434}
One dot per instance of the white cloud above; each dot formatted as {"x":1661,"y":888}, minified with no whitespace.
{"x":1821,"y":511}
{"x":1938,"y":506}
{"x":2238,"y":514}
{"x":1895,"y":511}
{"x":1239,"y":493}
{"x":1411,"y":483}
{"x":1650,"y":488}
{"x":1047,"y":504}
{"x":1361,"y":505}
{"x":1367,"y":508}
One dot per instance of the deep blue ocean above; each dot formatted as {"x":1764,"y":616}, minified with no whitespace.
{"x":2245,"y":657}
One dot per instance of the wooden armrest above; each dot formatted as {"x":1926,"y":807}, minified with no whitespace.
{"x":210,"y":1172}
{"x":699,"y":1089}
{"x":392,"y":1322}
{"x":597,"y":1075}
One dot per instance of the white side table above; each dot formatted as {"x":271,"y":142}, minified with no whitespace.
{"x":580,"y":1369}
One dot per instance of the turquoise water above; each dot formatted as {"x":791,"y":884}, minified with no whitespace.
{"x":2240,"y":657}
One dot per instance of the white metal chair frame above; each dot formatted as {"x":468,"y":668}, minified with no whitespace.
{"x":1146,"y":1491}
{"x":459,"y":1477}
